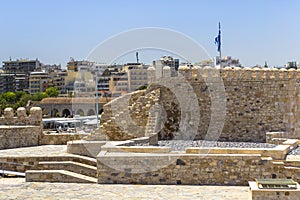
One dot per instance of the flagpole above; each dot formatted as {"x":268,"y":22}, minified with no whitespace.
{"x":220,"y":46}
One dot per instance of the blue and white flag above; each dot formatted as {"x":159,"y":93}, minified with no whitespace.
{"x":218,"y":39}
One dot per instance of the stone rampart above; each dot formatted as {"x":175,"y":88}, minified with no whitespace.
{"x":234,"y":105}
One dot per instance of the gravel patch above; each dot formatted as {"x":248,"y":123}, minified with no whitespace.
{"x":295,"y":151}
{"x":180,"y":145}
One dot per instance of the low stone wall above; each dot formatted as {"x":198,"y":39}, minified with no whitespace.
{"x":19,"y":136}
{"x":60,"y":139}
{"x":188,"y":169}
{"x":119,"y":163}
{"x":24,"y":163}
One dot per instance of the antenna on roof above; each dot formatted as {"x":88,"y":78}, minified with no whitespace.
{"x":137,"y":57}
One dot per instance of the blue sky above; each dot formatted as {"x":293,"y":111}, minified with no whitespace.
{"x":54,"y":30}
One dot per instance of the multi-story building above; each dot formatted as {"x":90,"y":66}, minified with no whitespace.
{"x":166,"y":61}
{"x":79,"y":65}
{"x":104,"y":79}
{"x":77,"y":71}
{"x":118,"y":83}
{"x":17,"y":73}
{"x":51,"y":68}
{"x":228,"y":61}
{"x":39,"y":82}
{"x":132,"y":76}
{"x":137,"y":75}
{"x":7,"y":82}
{"x":292,"y":64}
{"x":58,"y":80}
{"x":21,"y":66}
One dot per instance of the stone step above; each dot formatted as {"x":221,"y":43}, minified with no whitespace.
{"x":81,"y":159}
{"x":292,"y":163}
{"x":62,"y":176}
{"x":76,"y":167}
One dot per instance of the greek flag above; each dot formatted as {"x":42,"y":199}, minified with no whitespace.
{"x":218,"y":39}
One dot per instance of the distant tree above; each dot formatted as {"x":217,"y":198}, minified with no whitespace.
{"x":39,"y":96}
{"x":19,"y":94}
{"x":3,"y":103}
{"x":14,"y":100}
{"x":24,"y":99}
{"x":52,"y":91}
{"x":10,"y":97}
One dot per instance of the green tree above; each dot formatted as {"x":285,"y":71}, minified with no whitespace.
{"x":20,"y":94}
{"x":10,"y":97}
{"x":52,"y":91}
{"x":39,"y":96}
{"x":3,"y":103}
{"x":24,"y":99}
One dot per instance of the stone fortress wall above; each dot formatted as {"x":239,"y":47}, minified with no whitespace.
{"x":256,"y":101}
{"x":22,"y":130}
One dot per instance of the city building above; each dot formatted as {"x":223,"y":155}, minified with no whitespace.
{"x":58,"y":80}
{"x":291,"y":64}
{"x":39,"y":82}
{"x":16,"y":74}
{"x":21,"y":66}
{"x":137,"y":75}
{"x":118,"y":84}
{"x":79,"y":72}
{"x":166,"y":61}
{"x":228,"y":61}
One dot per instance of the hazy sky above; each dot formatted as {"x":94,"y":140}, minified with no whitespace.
{"x":254,"y":31}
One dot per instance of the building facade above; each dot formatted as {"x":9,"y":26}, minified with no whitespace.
{"x":16,"y":74}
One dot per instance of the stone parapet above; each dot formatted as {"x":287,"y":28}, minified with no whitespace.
{"x":21,"y":118}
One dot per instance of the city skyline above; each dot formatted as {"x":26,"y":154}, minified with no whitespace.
{"x":54,"y":31}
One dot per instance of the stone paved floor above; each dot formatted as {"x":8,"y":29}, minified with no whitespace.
{"x":17,"y":188}
{"x":46,"y":150}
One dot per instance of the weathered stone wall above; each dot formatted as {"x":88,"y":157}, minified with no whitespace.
{"x":233,"y":105}
{"x":189,"y":169}
{"x":126,"y":117}
{"x":21,"y":119}
{"x":60,"y":139}
{"x":22,"y":130}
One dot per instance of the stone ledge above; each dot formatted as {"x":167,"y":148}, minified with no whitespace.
{"x":279,"y":152}
{"x":137,"y":149}
{"x":85,"y":148}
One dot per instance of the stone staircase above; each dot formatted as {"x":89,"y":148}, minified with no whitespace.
{"x":57,"y":176}
{"x":73,"y":169}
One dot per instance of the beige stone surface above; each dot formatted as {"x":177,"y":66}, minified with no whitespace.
{"x":19,"y":189}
